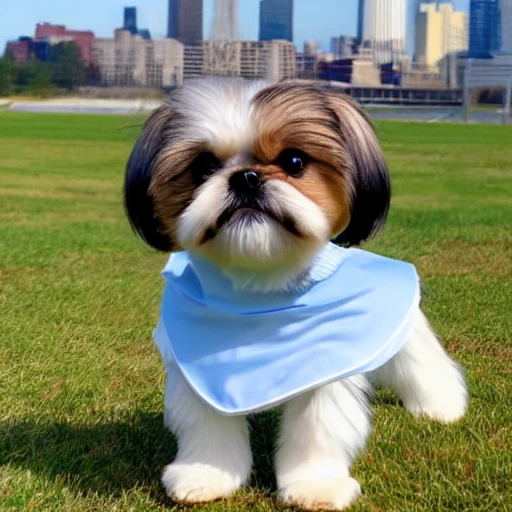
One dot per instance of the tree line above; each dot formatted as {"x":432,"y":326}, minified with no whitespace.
{"x":63,"y":70}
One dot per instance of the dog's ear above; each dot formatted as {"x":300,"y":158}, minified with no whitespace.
{"x":138,"y":203}
{"x":366,"y":170}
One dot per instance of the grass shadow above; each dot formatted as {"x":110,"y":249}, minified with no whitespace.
{"x":108,"y":457}
{"x":112,"y":456}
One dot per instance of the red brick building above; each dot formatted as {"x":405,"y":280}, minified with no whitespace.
{"x":20,"y":50}
{"x":83,"y":38}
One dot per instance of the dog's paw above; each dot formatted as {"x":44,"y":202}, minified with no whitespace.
{"x":196,"y":483}
{"x":324,"y":494}
{"x":442,"y":412}
{"x":446,"y":406}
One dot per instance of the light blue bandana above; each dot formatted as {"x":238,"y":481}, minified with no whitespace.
{"x":243,"y":352}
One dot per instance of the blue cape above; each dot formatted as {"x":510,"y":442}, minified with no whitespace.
{"x":242,"y":351}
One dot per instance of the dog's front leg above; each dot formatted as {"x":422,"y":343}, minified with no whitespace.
{"x":321,"y":433}
{"x":214,"y":457}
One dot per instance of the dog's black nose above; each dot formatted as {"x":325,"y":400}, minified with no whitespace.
{"x":252,"y":178}
{"x":245,"y":182}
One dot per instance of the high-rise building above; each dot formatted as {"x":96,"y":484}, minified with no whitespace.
{"x":410,"y":33}
{"x":130,"y":60}
{"x":484,"y":28}
{"x":130,"y":23}
{"x":360,"y":20}
{"x":440,"y":32}
{"x":506,"y":25}
{"x":276,"y":20}
{"x":384,"y":29}
{"x":185,"y":21}
{"x":343,"y":46}
{"x":130,"y":19}
{"x":225,"y":20}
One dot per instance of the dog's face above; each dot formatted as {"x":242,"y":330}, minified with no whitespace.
{"x":256,"y":177}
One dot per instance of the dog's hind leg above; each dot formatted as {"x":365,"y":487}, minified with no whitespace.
{"x":214,"y":457}
{"x":321,"y":433}
{"x":426,"y":379}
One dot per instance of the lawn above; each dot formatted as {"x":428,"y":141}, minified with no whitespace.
{"x":81,"y":382}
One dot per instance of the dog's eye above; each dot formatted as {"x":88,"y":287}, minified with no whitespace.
{"x":293,"y":162}
{"x":203,"y":166}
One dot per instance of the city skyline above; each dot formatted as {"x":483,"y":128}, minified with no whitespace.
{"x":20,"y":18}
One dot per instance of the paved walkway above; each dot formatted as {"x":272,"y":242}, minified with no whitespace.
{"x":82,"y":105}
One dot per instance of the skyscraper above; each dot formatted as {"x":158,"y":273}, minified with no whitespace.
{"x":484,"y":28}
{"x":276,"y":20}
{"x":410,"y":33}
{"x":506,"y":25}
{"x":384,"y":29}
{"x":130,"y":19}
{"x":441,"y":33}
{"x":360,"y":20}
{"x":185,"y":21}
{"x":225,"y":20}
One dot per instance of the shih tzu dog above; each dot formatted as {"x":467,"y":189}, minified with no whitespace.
{"x":260,"y":193}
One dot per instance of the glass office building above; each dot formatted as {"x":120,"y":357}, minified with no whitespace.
{"x":484,"y":28}
{"x":130,"y":19}
{"x":276,"y":20}
{"x":185,"y":21}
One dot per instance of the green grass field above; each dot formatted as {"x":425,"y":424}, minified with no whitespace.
{"x":81,"y":383}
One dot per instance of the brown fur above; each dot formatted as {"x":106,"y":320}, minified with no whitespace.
{"x":296,"y":116}
{"x":329,"y":128}
{"x":172,"y":187}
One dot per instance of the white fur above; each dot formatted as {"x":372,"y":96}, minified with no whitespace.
{"x":425,"y":378}
{"x":262,"y":255}
{"x":322,"y":431}
{"x":214,"y":457}
{"x":202,"y":213}
{"x":218,"y":114}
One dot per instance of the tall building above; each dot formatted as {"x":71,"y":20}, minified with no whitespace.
{"x":130,"y":19}
{"x":343,"y":46}
{"x":384,"y":29}
{"x":410,"y":33}
{"x":225,"y":21}
{"x":130,"y":23}
{"x":440,"y":32}
{"x":130,"y":60}
{"x":185,"y":21}
{"x":276,"y":20}
{"x":484,"y":28}
{"x":360,"y":20}
{"x":506,"y":25}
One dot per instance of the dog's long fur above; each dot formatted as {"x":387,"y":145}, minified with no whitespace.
{"x":179,"y":195}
